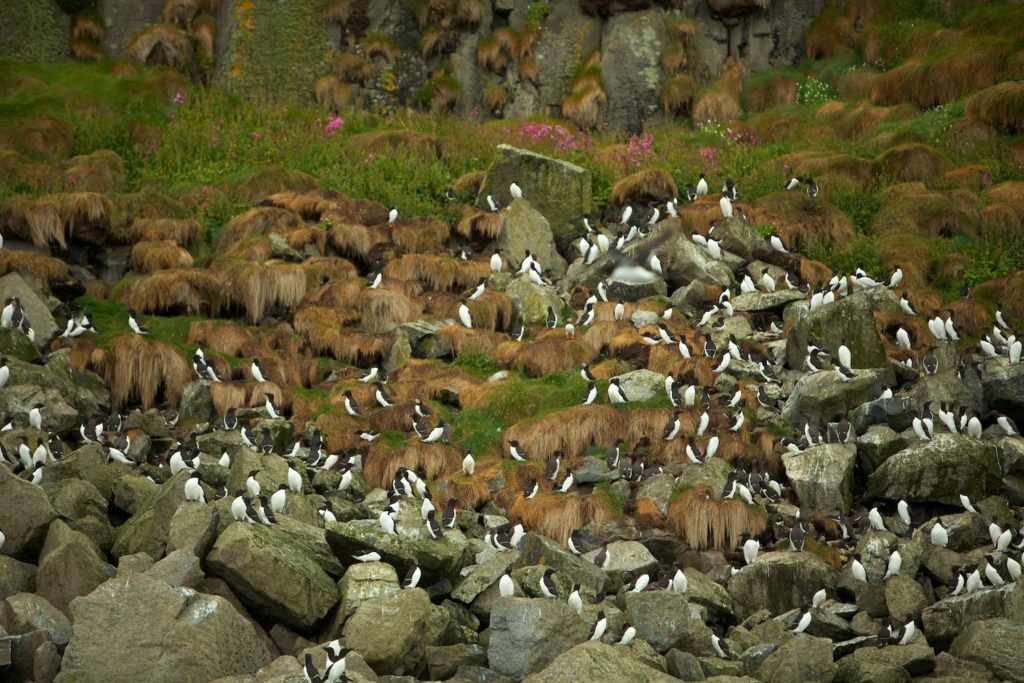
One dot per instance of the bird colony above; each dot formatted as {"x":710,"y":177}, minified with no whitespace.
{"x":764,"y":471}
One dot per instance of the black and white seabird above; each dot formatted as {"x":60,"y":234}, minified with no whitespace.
{"x":600,"y":626}
{"x":575,"y":601}
{"x":256,"y":371}
{"x":547,"y":584}
{"x":615,"y":392}
{"x":506,"y":587}
{"x":135,"y":325}
{"x":801,"y":621}
{"x":531,"y":489}
{"x":516,"y":452}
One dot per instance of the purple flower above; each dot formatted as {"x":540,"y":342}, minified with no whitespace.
{"x":255,"y":135}
{"x":179,"y":98}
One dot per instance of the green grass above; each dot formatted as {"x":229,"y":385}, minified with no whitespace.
{"x":615,"y":500}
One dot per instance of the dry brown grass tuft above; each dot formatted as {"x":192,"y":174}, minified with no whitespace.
{"x":149,"y":257}
{"x":88,"y":26}
{"x":380,"y":46}
{"x":909,"y":163}
{"x":409,"y":141}
{"x":925,"y":212}
{"x":555,"y":515}
{"x":35,"y":220}
{"x":329,"y":268}
{"x":857,"y":84}
{"x":161,"y":45}
{"x":338,"y":11}
{"x":934,"y":83}
{"x":99,"y":171}
{"x":599,"y":336}
{"x":332,"y":94}
{"x":352,"y":68}
{"x":434,"y":271}
{"x":1001,"y":106}
{"x":204,"y":33}
{"x":712,"y":105}
{"x":472,"y":493}
{"x":420,"y":234}
{"x":86,"y":216}
{"x":477,"y":223}
{"x":259,"y":287}
{"x":586,"y":99}
{"x":138,"y":369}
{"x":263,"y":182}
{"x":188,"y":291}
{"x":970,"y":316}
{"x":184,"y":232}
{"x":86,"y":50}
{"x":496,"y":97}
{"x":571,"y":430}
{"x":382,"y":310}
{"x":528,"y":69}
{"x":777,"y":90}
{"x":996,"y":290}
{"x":258,"y":221}
{"x":353,"y":239}
{"x":1009,"y":193}
{"x":226,"y":338}
{"x":544,"y":355}
{"x":325,"y":330}
{"x":44,"y":268}
{"x":913,"y":252}
{"x":829,"y":34}
{"x":437,"y":460}
{"x":654,"y":185}
{"x":646,"y":515}
{"x":708,"y":523}
{"x":465,"y":340}
{"x":469,"y":183}
{"x":999,"y":220}
{"x":677,"y":94}
{"x":800,"y":219}
{"x":227,"y":395}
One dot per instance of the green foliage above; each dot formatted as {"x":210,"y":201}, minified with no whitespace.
{"x":811,"y":91}
{"x":536,"y":12}
{"x":615,"y":500}
{"x":476,"y":363}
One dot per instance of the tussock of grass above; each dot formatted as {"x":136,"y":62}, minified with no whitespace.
{"x":149,"y":257}
{"x":44,"y":268}
{"x":556,"y":515}
{"x":138,"y":369}
{"x":187,"y":291}
{"x":708,"y":523}
{"x":641,"y":187}
{"x":571,"y":430}
{"x":258,"y":221}
{"x":909,"y":163}
{"x":260,"y":287}
{"x":1001,"y":106}
{"x":185,"y":232}
{"x":437,"y":460}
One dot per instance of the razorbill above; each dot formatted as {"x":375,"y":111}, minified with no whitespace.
{"x":600,"y":626}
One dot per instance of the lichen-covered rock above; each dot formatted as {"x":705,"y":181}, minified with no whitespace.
{"x":665,"y":621}
{"x":822,"y":476}
{"x":137,"y":628}
{"x":804,"y":658}
{"x":818,"y":397}
{"x":364,"y":581}
{"x":557,"y":189}
{"x":779,"y":581}
{"x":592,"y":661}
{"x":36,"y":309}
{"x":25,"y":515}
{"x":530,"y":302}
{"x":539,"y":549}
{"x":25,"y":612}
{"x":16,"y":577}
{"x":70,"y":565}
{"x":996,"y":643}
{"x":147,"y":530}
{"x":939,"y":471}
{"x":527,"y":229}
{"x":916,"y":657}
{"x":851,"y":320}
{"x":947,"y":618}
{"x":392,"y":632}
{"x":527,"y":634}
{"x":641,"y":385}
{"x":277,"y":577}
{"x":631,"y":49}
{"x":437,"y":559}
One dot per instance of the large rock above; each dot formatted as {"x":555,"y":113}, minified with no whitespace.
{"x":437,"y":559}
{"x":364,"y":581}
{"x":257,"y":46}
{"x":641,"y":385}
{"x":916,"y":657}
{"x":948,"y":618}
{"x":1003,"y":386}
{"x":91,"y":464}
{"x":631,"y":49}
{"x":69,"y":566}
{"x":25,"y":612}
{"x":665,"y":620}
{"x":24,"y":515}
{"x":766,"y":301}
{"x":822,"y":477}
{"x":594,"y":661}
{"x":939,"y":470}
{"x":15,"y":344}
{"x":851,"y":319}
{"x":537,"y":549}
{"x":392,"y":632}
{"x":692,"y":261}
{"x":193,"y":528}
{"x":570,"y":36}
{"x":136,"y":628}
{"x":779,"y":581}
{"x":996,"y":643}
{"x":41,"y":33}
{"x":818,"y":397}
{"x":876,"y":445}
{"x":36,"y":310}
{"x":559,"y":190}
{"x":147,"y":530}
{"x":804,"y":658}
{"x":124,"y":18}
{"x":277,"y":577}
{"x":526,"y":229}
{"x":16,"y":577}
{"x":905,"y":598}
{"x":479,"y":577}
{"x":530,"y":302}
{"x":527,"y":634}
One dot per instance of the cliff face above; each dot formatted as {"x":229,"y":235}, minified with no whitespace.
{"x":597,"y":62}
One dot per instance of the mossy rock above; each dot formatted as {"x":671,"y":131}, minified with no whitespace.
{"x":36,"y":31}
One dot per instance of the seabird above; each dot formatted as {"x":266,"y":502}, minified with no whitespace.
{"x":412,"y":577}
{"x":351,"y":407}
{"x":506,"y":587}
{"x":387,"y":523}
{"x":134,"y":324}
{"x":801,"y":621}
{"x":450,"y":513}
{"x":857,"y":569}
{"x":722,"y":648}
{"x":35,"y":416}
{"x":751,"y":547}
{"x":628,"y":634}
{"x":194,"y":490}
{"x":468,"y":464}
{"x":615,"y":392}
{"x":894,"y":564}
{"x":516,"y":452}
{"x":256,"y":371}
{"x":515,"y":191}
{"x":591,"y":393}
{"x":599,"y":626}
{"x":551,"y":319}
{"x":575,"y":601}
{"x":547,"y":584}
{"x":434,"y":529}
{"x":702,"y":187}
